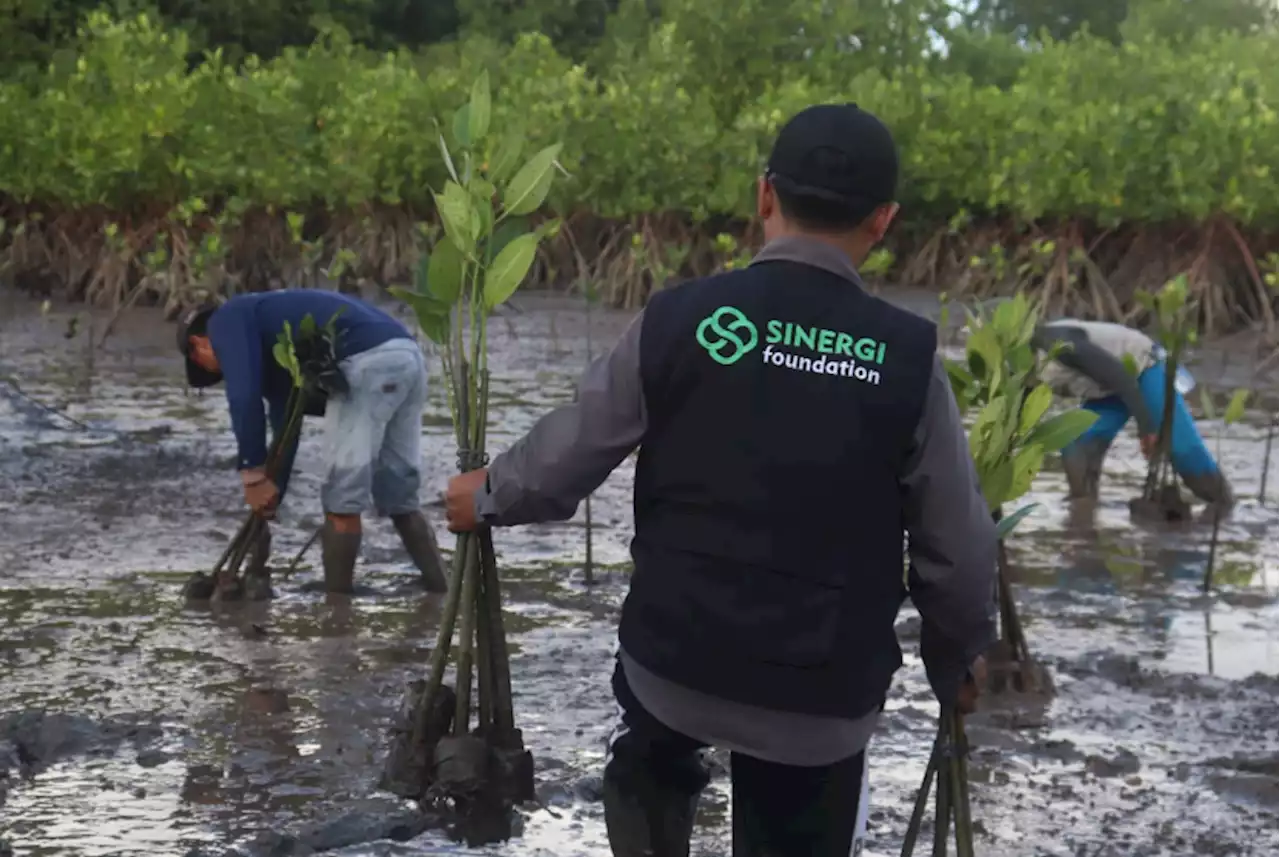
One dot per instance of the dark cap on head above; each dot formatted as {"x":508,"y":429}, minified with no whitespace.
{"x":839,"y":154}
{"x":191,"y":323}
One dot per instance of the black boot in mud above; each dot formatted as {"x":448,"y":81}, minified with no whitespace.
{"x":257,"y":576}
{"x":1082,"y":465}
{"x":420,"y":541}
{"x":648,"y":818}
{"x":340,"y":551}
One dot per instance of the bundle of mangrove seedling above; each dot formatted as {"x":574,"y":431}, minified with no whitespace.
{"x":472,"y":772}
{"x":311,"y":361}
{"x":949,"y":767}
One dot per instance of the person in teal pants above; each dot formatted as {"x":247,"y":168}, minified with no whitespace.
{"x":1092,"y":367}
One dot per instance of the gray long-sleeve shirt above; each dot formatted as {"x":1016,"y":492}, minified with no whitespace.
{"x":951,"y":537}
{"x":1093,"y":356}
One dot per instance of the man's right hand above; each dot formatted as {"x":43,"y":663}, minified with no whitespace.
{"x":971,"y":688}
{"x":1148,"y":444}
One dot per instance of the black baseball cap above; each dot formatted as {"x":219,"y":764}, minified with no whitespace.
{"x":837,"y":153}
{"x":194,"y":323}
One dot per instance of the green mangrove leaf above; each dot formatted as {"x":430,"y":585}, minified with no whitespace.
{"x":444,"y":273}
{"x":1055,"y":433}
{"x":1235,"y":408}
{"x":506,"y":156}
{"x":479,"y":109}
{"x":457,"y":214}
{"x":503,"y":234}
{"x":1206,"y":404}
{"x":995,"y":483}
{"x":983,"y":343}
{"x":1130,"y":364}
{"x":448,"y":159}
{"x":1026,"y":464}
{"x":1006,"y":524}
{"x":432,"y":315}
{"x":1034,"y":406}
{"x":307,"y":327}
{"x":508,"y":270}
{"x":531,"y":183}
{"x":281,"y":353}
{"x":548,"y":229}
{"x":462,"y":126}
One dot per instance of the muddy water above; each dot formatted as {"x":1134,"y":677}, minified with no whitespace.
{"x":132,"y":727}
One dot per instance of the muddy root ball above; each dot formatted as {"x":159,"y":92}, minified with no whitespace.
{"x":199,"y":587}
{"x":257,"y":587}
{"x":1168,"y":507}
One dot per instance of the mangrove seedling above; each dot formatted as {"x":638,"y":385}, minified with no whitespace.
{"x":949,"y":766}
{"x":589,"y":296}
{"x":487,"y":250}
{"x":1012,"y":433}
{"x":311,"y":361}
{"x":1234,"y":411}
{"x":1172,"y":317}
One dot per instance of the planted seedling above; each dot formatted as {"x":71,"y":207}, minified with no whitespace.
{"x":1172,"y":316}
{"x":1011,"y":435}
{"x":487,"y":250}
{"x":1234,"y":411}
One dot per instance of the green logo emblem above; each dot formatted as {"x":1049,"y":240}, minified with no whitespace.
{"x":727,"y":335}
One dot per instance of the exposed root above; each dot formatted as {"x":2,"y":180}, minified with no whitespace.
{"x":176,"y":258}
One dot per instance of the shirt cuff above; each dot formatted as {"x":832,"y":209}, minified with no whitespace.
{"x":486,"y":506}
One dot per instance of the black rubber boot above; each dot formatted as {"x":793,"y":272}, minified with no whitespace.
{"x":648,"y":812}
{"x":340,"y":551}
{"x":1211,"y":487}
{"x":420,"y":541}
{"x":1083,"y":466}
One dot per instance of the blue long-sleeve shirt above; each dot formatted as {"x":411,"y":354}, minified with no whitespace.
{"x":243,"y":333}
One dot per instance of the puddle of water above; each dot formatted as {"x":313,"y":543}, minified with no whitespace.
{"x":274,"y":717}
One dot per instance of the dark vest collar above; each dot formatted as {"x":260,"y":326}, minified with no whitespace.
{"x":807,"y":251}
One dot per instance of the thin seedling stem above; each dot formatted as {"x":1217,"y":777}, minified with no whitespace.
{"x":297,"y":558}
{"x":503,"y":710}
{"x":1266,"y":462}
{"x":588,"y":567}
{"x":444,"y":640}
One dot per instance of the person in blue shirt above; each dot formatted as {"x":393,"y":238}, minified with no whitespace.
{"x":372,"y":428}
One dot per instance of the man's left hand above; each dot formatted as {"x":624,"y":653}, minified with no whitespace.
{"x":260,"y":493}
{"x":460,"y":500}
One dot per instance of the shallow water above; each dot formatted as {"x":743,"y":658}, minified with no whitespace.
{"x":1162,"y":738}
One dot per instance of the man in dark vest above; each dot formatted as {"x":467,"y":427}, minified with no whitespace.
{"x":791,"y":428}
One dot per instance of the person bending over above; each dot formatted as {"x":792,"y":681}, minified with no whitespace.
{"x":1096,"y":363}
{"x":373,"y":426}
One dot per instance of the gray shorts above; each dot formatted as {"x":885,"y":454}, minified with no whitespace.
{"x":373,"y":434}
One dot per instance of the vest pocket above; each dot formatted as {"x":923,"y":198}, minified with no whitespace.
{"x":747,"y":612}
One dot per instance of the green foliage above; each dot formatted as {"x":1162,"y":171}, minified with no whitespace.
{"x":1012,"y":431}
{"x":1233,"y":411}
{"x":487,"y":248}
{"x":675,"y":113}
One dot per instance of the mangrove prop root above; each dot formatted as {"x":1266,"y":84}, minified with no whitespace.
{"x":947,"y":777}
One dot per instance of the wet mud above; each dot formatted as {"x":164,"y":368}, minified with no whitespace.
{"x":132,"y":726}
